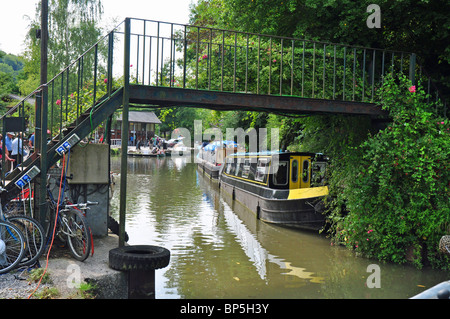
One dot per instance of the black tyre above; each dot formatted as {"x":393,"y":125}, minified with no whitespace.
{"x":139,"y":257}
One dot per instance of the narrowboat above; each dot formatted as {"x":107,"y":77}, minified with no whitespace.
{"x":210,"y":157}
{"x":278,"y":187}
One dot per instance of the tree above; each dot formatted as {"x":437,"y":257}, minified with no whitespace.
{"x":10,"y":72}
{"x":73,"y":28}
{"x":421,"y":27}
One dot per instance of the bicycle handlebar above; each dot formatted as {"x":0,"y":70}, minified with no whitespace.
{"x":82,"y":205}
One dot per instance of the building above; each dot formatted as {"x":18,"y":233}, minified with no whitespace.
{"x":142,"y":126}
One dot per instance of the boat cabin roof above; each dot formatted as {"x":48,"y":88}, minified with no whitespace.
{"x":273,"y":153}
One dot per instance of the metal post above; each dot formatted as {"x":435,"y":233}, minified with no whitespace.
{"x":125,"y":127}
{"x":44,"y":112}
{"x":141,"y":284}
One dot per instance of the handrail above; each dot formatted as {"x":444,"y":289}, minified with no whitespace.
{"x":266,"y":35}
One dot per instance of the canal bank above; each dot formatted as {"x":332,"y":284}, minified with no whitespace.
{"x":67,"y":273}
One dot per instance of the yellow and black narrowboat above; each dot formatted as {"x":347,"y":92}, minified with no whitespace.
{"x":279,"y":187}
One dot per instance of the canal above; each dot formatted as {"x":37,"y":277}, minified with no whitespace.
{"x":219,"y":250}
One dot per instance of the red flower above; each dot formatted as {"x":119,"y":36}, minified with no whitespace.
{"x":58,"y":102}
{"x":412,"y":89}
{"x":105,"y":80}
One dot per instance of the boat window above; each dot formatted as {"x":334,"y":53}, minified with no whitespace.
{"x":305,"y":174}
{"x":294,"y":173}
{"x":252,"y":173}
{"x":318,"y":173}
{"x":229,"y":165}
{"x":238,"y":167}
{"x":246,"y":169}
{"x":233,"y":168}
{"x":280,"y":177}
{"x":261,"y":169}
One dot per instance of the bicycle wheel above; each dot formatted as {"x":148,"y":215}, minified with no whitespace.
{"x":78,"y":235}
{"x":12,"y":246}
{"x":34,"y":238}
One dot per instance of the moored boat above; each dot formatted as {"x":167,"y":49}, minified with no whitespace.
{"x":145,"y":152}
{"x":280,"y":188}
{"x":211,"y":157}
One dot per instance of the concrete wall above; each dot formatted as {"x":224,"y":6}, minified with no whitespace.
{"x":88,"y":169}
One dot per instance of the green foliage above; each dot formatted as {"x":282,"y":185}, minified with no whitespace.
{"x":36,"y":274}
{"x":47,"y":293}
{"x":64,"y":110}
{"x":88,"y":290}
{"x":10,"y":63}
{"x":73,"y":28}
{"x":10,"y":71}
{"x":396,"y":185}
{"x":408,"y":25}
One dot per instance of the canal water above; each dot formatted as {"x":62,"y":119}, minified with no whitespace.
{"x":219,"y":249}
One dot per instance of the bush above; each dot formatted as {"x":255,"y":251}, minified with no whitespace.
{"x":397,"y":193}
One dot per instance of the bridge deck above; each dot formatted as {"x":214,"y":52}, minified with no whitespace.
{"x":167,"y":97}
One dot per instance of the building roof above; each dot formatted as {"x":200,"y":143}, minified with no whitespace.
{"x":141,"y":117}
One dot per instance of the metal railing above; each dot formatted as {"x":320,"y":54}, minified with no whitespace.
{"x":203,"y":58}
{"x":78,"y":87}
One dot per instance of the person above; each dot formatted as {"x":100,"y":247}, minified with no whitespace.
{"x":138,"y":143}
{"x":17,"y":151}
{"x":31,"y":142}
{"x":32,"y":138}
{"x":8,"y":141}
{"x":205,"y":143}
{"x":8,"y":148}
{"x":7,"y":158}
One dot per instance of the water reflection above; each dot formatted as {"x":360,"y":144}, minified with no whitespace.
{"x":220,"y":250}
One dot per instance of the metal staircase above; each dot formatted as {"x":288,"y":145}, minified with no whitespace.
{"x":61,"y":143}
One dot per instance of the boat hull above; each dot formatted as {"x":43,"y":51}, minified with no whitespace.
{"x":209,"y":169}
{"x":277,"y":206}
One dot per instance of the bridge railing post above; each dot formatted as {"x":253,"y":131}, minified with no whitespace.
{"x":412,"y":68}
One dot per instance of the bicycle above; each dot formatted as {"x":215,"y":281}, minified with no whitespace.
{"x":12,"y":246}
{"x":70,"y":225}
{"x":30,"y":228}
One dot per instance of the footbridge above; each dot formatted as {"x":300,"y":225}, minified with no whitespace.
{"x":143,"y":63}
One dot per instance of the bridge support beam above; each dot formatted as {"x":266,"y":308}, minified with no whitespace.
{"x":163,"y":96}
